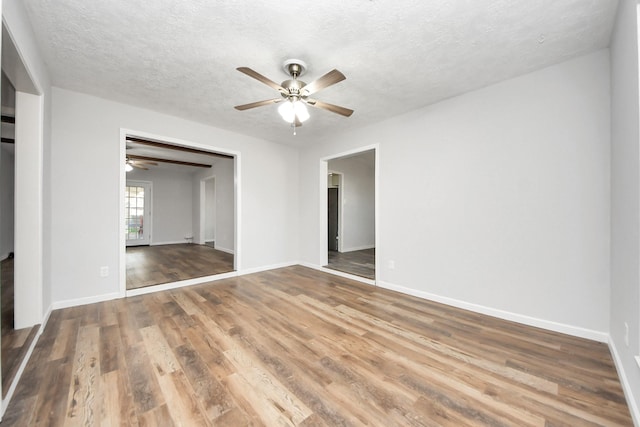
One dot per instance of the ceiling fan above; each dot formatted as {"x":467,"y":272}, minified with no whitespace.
{"x":138,"y":164}
{"x":296,"y":92}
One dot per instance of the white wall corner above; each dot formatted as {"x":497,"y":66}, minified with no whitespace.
{"x":626,"y":387}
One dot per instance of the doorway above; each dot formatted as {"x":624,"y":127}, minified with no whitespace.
{"x":137,"y":208}
{"x":351,"y":189}
{"x":208,"y":211}
{"x":334,"y":194}
{"x":172,"y":229}
{"x":22,"y":193}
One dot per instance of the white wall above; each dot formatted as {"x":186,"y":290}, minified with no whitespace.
{"x":625,"y":192}
{"x":224,"y":215}
{"x":87,"y":129}
{"x":28,"y":231}
{"x":210,"y":210}
{"x":6,"y":202}
{"x":498,"y":198}
{"x":171,"y":207}
{"x":358,"y":201}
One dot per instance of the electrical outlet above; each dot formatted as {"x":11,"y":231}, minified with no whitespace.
{"x":626,"y":334}
{"x":392,"y":265}
{"x":104,"y":271}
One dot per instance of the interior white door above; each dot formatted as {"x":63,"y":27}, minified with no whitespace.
{"x":137,"y":216}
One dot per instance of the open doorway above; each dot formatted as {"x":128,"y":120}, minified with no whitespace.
{"x":166,"y":212}
{"x":351,"y":201}
{"x":208,"y":212}
{"x":21,"y":211}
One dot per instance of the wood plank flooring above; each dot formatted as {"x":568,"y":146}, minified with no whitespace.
{"x":360,"y":263}
{"x":154,"y":265}
{"x":15,"y":342}
{"x":298,"y":347}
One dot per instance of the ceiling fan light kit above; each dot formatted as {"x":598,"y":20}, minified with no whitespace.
{"x":296,"y":93}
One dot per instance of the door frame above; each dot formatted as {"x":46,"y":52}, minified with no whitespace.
{"x":202,"y":238}
{"x":323,"y":255}
{"x":148,"y":203}
{"x":340,"y":202}
{"x":237,"y":198}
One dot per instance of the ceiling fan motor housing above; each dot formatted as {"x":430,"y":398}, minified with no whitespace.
{"x":292,"y":87}
{"x":294,"y":67}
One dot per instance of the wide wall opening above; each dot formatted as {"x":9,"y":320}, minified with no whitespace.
{"x":179,"y":212}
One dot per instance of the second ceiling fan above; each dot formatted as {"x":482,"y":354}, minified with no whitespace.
{"x":296,"y":92}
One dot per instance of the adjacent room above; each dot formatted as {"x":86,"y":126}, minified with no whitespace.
{"x":351,"y":234}
{"x":320,"y":213}
{"x":179,"y":213}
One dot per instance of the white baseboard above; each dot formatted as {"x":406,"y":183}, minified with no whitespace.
{"x":501,"y":314}
{"x":357,"y":248}
{"x":23,"y":364}
{"x":246,"y":271}
{"x":628,"y":391}
{"x":173,"y":242}
{"x":180,"y":284}
{"x":205,"y":279}
{"x":339,"y":273}
{"x":219,"y":248}
{"x":84,"y":301}
{"x":4,"y":256}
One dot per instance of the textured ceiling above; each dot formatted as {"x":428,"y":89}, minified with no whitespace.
{"x":179,"y":57}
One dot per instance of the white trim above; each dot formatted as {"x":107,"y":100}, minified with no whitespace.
{"x":626,"y":387}
{"x":267,"y":268}
{"x":339,"y":273}
{"x":205,"y":279}
{"x":202,"y":238}
{"x":122,"y":247}
{"x":358,"y":248}
{"x":175,"y":242}
{"x":229,"y":251}
{"x":323,"y":258}
{"x":23,"y":364}
{"x":502,"y":314}
{"x":237,"y":179}
{"x":180,"y":284}
{"x":84,"y":301}
{"x":340,"y":209}
{"x":16,"y":378}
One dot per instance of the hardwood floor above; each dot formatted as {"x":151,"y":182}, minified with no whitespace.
{"x":154,"y":265}
{"x":296,"y":346}
{"x":15,"y":342}
{"x":361,"y":263}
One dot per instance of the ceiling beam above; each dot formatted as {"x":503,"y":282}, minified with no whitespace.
{"x":176,"y":147}
{"x":175,"y":162}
